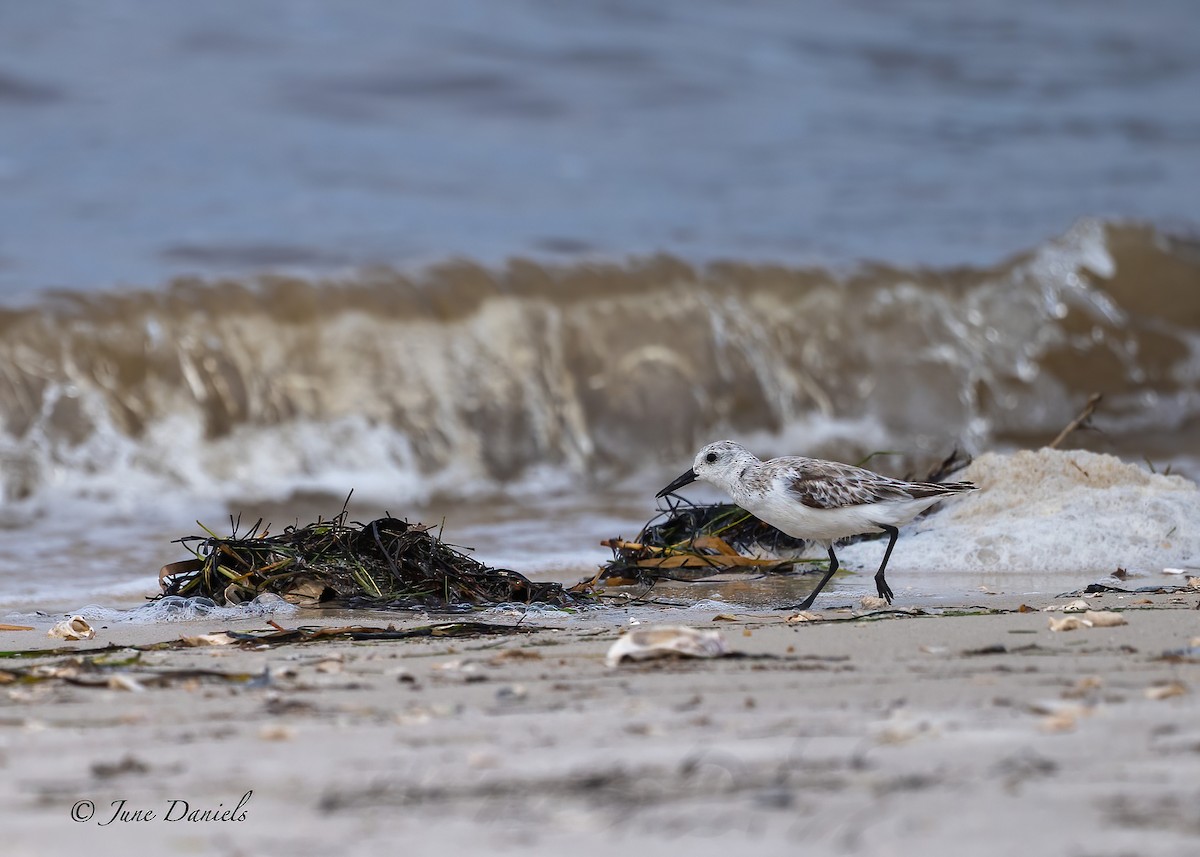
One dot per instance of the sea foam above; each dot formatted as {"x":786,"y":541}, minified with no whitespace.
{"x":1050,"y":512}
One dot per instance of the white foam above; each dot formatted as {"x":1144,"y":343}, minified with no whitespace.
{"x":174,"y":608}
{"x":1053,"y":513}
{"x":535,"y":610}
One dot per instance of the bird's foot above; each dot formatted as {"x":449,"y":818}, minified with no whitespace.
{"x":881,"y":586}
{"x":805,"y":604}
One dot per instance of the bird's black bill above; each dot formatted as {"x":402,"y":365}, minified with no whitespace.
{"x":686,"y":479}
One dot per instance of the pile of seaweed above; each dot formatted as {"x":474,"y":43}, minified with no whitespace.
{"x":385,"y":563}
{"x":690,"y":541}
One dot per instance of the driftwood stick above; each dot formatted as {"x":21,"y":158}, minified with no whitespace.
{"x":1080,"y":421}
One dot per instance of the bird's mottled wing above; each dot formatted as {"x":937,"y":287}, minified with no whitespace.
{"x":828,"y":485}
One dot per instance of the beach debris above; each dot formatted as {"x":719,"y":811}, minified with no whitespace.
{"x":1063,"y":719}
{"x":1104,"y":619}
{"x":1090,"y":619}
{"x":873,"y":602}
{"x":667,"y":641}
{"x":129,"y":764}
{"x":124,"y":681}
{"x":277,"y":732}
{"x":1099,"y":589}
{"x":1166,"y":690}
{"x":803,"y":616}
{"x":1188,"y":655}
{"x":692,"y":541}
{"x":506,"y":656}
{"x":220,"y":638}
{"x":282,"y":636}
{"x":1084,"y":688}
{"x":74,"y":628}
{"x":268,"y":639}
{"x":1077,"y":606}
{"x":116,"y":669}
{"x":1001,"y":649}
{"x":902,"y":728}
{"x":387,"y":562}
{"x":16,"y":628}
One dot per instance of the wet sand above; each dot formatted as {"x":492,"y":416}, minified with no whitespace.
{"x":912,"y":734}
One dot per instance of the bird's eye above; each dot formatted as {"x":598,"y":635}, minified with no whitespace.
{"x":711,"y":457}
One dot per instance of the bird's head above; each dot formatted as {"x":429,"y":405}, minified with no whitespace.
{"x":711,"y":462}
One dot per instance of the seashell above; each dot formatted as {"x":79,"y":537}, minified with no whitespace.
{"x":1104,"y":619}
{"x":1090,"y":619}
{"x":873,"y":602}
{"x":1060,"y":721}
{"x":1067,"y":623}
{"x":75,"y":628}
{"x":276,"y":732}
{"x":124,"y":681}
{"x":664,"y":641}
{"x":1166,"y":691}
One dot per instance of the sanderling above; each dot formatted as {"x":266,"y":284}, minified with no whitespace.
{"x":822,"y":501}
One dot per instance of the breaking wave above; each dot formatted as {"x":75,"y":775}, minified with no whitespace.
{"x":468,"y":379}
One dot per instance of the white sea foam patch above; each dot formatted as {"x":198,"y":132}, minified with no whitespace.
{"x":173,"y":608}
{"x":1053,"y":513}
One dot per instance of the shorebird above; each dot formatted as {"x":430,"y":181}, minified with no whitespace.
{"x":821,"y":501}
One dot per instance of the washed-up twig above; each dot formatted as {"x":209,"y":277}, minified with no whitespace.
{"x":1141,"y":590}
{"x":364,"y":632}
{"x":1082,"y":420}
{"x":100,"y":670}
{"x":82,"y":666}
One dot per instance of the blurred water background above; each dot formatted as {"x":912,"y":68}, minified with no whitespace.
{"x":510,"y":263}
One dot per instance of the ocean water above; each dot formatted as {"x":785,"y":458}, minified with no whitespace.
{"x":507,"y":265}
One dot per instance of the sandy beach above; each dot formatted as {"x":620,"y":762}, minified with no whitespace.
{"x":419,"y":306}
{"x":948,"y":731}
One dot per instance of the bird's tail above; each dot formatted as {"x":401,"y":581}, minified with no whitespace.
{"x":941,"y":489}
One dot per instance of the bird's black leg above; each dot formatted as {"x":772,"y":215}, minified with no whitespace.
{"x":885,"y":591}
{"x":812,"y":596}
